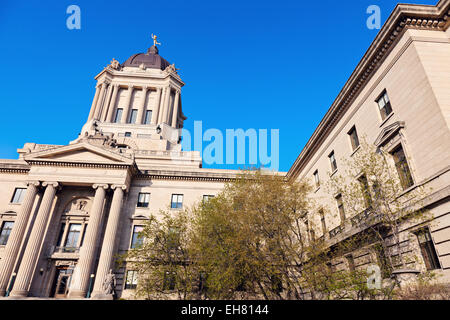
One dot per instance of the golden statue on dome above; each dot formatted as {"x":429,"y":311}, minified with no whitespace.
{"x":154,"y":37}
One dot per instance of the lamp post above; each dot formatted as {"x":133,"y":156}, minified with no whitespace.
{"x":91,"y":280}
{"x":11,"y":283}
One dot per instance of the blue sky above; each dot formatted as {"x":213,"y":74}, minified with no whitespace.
{"x":246,"y":64}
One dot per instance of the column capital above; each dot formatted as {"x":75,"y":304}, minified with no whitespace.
{"x":122,"y":186}
{"x":34,"y":183}
{"x":131,"y":86}
{"x":177,"y":91}
{"x":99,"y":185}
{"x":50,"y":183}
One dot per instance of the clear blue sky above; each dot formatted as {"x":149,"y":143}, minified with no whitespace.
{"x":246,"y":64}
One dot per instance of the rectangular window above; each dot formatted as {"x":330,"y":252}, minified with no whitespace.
{"x":169,"y":280}
{"x":127,"y":134}
{"x":73,"y":235}
{"x":428,"y":251}
{"x":384,"y":104}
{"x":19,"y":194}
{"x":340,"y":205}
{"x":317,"y":178}
{"x":351,"y":262}
{"x":323,"y":222}
{"x":5,"y":232}
{"x":143,"y":200}
{"x":354,"y":138}
{"x":177,"y":201}
{"x":131,"y":280}
{"x":133,"y":116}
{"x":385,"y":266}
{"x":137,"y":240}
{"x":401,"y":164}
{"x":333,"y":161}
{"x":148,"y":117}
{"x":365,"y":191}
{"x":207,"y":197}
{"x":118,"y":115}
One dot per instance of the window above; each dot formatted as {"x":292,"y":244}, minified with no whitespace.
{"x":127,"y":134}
{"x":148,"y":117}
{"x":333,"y":161}
{"x":354,"y":138}
{"x":19,"y":194}
{"x":169,"y":280}
{"x":131,"y":280}
{"x":73,"y":235}
{"x":118,"y":115}
{"x":143,"y":200}
{"x":317,"y":178}
{"x":384,"y":105}
{"x":133,"y":116}
{"x":5,"y":232}
{"x":428,"y":251}
{"x":340,"y":205}
{"x":207,"y":197}
{"x":137,"y":240}
{"x":322,"y":221}
{"x":365,"y":191}
{"x":177,"y":201}
{"x":402,"y":167}
{"x":383,"y":261}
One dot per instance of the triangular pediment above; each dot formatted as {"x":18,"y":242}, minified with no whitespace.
{"x":388,"y":132}
{"x":80,"y":153}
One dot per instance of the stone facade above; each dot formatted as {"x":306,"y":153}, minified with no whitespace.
{"x":75,"y":207}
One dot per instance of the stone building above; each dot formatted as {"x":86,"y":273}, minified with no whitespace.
{"x":398,"y":98}
{"x":66,"y":211}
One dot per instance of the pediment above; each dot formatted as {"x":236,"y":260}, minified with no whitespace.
{"x":80,"y":153}
{"x":388,"y":133}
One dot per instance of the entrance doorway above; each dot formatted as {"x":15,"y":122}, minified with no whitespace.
{"x":61,"y":283}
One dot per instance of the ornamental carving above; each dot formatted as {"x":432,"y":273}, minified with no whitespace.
{"x":78,"y":206}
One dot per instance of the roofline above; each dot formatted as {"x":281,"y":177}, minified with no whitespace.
{"x":403,"y":17}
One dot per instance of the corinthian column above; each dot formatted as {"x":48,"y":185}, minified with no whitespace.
{"x":94,"y":102}
{"x":106,"y":104}
{"x":16,"y":236}
{"x":112,"y":104}
{"x":126,"y":107}
{"x":80,"y":279}
{"x":108,"y":246}
{"x":141,"y":107}
{"x":156,"y":110}
{"x":161,"y":106}
{"x":166,"y":106}
{"x":28,"y":264}
{"x":175,"y":109}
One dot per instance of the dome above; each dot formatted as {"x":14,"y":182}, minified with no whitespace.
{"x":151,"y":59}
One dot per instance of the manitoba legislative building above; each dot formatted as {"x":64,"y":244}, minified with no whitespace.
{"x":68,"y":211}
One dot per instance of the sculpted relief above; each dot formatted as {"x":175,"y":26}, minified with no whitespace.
{"x":78,"y":206}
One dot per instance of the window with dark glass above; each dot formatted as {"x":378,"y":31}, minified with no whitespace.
{"x":19,"y":194}
{"x":384,"y":105}
{"x":353,"y":135}
{"x":131,"y":279}
{"x":133,"y":116}
{"x":73,"y":235}
{"x":148,"y":117}
{"x":127,"y":134}
{"x":177,"y":201}
{"x":383,"y":261}
{"x":428,"y":250}
{"x":118,"y":115}
{"x":401,"y":164}
{"x":365,"y":191}
{"x":169,"y":280}
{"x":340,"y":205}
{"x":333,"y":162}
{"x":137,"y":239}
{"x":5,"y":232}
{"x":317,"y":178}
{"x":143,"y":200}
{"x":323,"y":222}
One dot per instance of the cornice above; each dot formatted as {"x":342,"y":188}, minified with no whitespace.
{"x":185,"y":176}
{"x":403,"y":17}
{"x":78,"y":164}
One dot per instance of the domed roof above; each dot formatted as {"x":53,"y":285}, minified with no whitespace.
{"x":151,"y":59}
